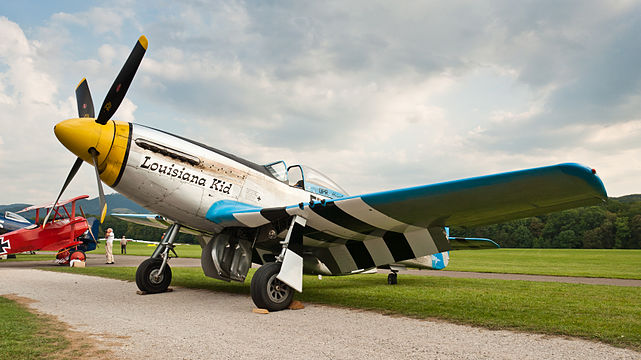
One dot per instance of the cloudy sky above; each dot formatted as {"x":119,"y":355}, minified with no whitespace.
{"x":376,"y":94}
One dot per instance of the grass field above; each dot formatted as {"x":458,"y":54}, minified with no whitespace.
{"x":31,"y":257}
{"x":27,"y":335}
{"x":623,"y":264}
{"x":610,"y":314}
{"x":142,"y":249}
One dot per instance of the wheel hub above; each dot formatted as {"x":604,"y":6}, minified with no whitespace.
{"x":156,"y":276}
{"x":277,"y":290}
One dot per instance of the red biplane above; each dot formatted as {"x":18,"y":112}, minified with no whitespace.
{"x":65,"y":232}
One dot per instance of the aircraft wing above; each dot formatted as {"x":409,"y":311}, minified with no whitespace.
{"x":153,"y":220}
{"x":469,"y":202}
{"x":51,"y":204}
{"x":375,"y":229}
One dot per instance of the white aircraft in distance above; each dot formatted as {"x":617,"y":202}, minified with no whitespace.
{"x":290,"y":219}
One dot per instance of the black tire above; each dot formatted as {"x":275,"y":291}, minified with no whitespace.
{"x":267,"y":291}
{"x":392,"y":279}
{"x":145,"y":276}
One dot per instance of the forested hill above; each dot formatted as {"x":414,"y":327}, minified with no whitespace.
{"x":614,"y":225}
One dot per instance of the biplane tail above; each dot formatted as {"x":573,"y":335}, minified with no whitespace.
{"x":90,"y":240}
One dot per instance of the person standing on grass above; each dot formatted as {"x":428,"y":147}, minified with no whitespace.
{"x":109,"y":244}
{"x":123,"y":245}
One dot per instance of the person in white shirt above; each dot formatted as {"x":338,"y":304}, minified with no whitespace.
{"x":109,"y":245}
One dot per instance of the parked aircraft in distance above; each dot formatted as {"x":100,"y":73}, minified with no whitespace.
{"x":291,"y":219}
{"x":68,"y":234}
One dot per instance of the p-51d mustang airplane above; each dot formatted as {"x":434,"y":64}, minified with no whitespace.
{"x":290,"y":219}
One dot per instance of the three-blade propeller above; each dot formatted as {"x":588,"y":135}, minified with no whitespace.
{"x":109,"y":106}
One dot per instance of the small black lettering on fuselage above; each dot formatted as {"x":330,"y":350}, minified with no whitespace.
{"x":180,"y":172}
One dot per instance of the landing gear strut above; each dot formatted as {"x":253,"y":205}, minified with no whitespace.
{"x":154,"y":274}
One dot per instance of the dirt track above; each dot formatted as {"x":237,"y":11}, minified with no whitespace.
{"x":199,"y":324}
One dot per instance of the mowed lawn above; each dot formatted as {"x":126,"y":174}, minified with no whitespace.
{"x":27,"y":335}
{"x":133,"y":248}
{"x":610,"y":314}
{"x":623,"y":264}
{"x":143,"y":249}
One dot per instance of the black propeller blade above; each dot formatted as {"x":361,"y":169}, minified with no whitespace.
{"x":72,"y":173}
{"x":83,"y":97}
{"x":119,"y":88}
{"x":103,"y":202}
{"x":111,"y":103}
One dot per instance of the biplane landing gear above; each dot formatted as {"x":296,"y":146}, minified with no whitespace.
{"x":154,"y":274}
{"x":267,"y":291}
{"x":392,"y":279}
{"x":152,"y":277}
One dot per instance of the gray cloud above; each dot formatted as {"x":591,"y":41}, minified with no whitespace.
{"x":377,"y":94}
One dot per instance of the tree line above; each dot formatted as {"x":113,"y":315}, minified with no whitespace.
{"x":614,"y":225}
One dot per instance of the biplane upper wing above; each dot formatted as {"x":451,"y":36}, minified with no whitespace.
{"x":51,"y":204}
{"x":375,"y":229}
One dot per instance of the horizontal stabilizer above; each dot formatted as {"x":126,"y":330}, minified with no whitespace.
{"x":459,"y":243}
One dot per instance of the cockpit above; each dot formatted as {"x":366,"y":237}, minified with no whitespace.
{"x":306,"y":178}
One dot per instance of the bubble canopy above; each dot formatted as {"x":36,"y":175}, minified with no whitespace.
{"x":307,"y":178}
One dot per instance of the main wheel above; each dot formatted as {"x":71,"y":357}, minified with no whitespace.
{"x":149,"y":279}
{"x":78,"y":255}
{"x":267,"y":291}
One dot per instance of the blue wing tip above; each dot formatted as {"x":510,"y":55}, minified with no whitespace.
{"x":589,"y":175}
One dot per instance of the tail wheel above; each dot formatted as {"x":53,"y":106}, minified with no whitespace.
{"x":150,"y":279}
{"x":267,"y":291}
{"x":392,"y":279}
{"x":78,"y":255}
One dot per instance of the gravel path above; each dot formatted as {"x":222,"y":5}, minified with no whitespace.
{"x":199,"y":324}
